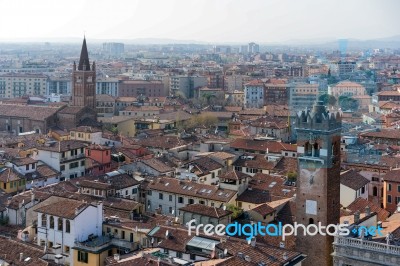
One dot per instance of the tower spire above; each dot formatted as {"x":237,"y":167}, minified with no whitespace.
{"x":84,"y":59}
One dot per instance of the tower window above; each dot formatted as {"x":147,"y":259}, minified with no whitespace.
{"x":311,"y":221}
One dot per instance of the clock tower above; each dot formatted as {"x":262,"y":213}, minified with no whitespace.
{"x":318,"y":182}
{"x":84,"y":81}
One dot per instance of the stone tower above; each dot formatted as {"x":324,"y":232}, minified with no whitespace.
{"x":318,"y":182}
{"x":84,"y":81}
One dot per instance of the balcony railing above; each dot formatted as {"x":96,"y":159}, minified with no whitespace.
{"x":70,"y":158}
{"x":367,"y":245}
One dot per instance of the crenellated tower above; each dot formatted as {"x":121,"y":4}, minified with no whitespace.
{"x":318,"y":182}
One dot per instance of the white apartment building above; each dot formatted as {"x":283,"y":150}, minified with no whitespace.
{"x":167,"y":195}
{"x":67,"y":157}
{"x":66,"y":222}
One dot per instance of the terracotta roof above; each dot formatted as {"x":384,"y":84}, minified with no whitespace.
{"x":206,"y":210}
{"x":275,"y":185}
{"x":66,"y":208}
{"x":205,"y":165}
{"x":39,"y":113}
{"x":383,"y":133}
{"x":262,"y":145}
{"x":392,"y":176}
{"x":23,"y":161}
{"x":359,"y":205}
{"x":157,"y":165}
{"x":264,"y":209}
{"x":254,"y":160}
{"x":234,"y":175}
{"x":9,"y":174}
{"x":255,"y":196}
{"x":71,"y":110}
{"x":270,"y":255}
{"x":63,"y":146}
{"x":353,"y":180}
{"x":94,"y":184}
{"x":10,"y":251}
{"x":189,"y":188}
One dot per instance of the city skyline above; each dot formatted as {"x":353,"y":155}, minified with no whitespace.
{"x":213,"y":22}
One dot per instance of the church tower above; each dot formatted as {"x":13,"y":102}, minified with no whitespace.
{"x":318,"y":181}
{"x":84,"y":81}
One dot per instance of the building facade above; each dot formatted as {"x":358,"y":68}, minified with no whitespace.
{"x":318,"y":184}
{"x":14,"y":85}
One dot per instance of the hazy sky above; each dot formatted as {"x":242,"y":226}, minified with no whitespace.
{"x":202,"y":20}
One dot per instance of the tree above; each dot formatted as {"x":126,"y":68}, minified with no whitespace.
{"x":236,"y":211}
{"x":328,"y":99}
{"x":348,"y":103}
{"x":206,"y":120}
{"x":292,"y":176}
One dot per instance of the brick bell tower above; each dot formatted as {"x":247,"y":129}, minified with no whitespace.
{"x":318,"y":182}
{"x":84,"y":81}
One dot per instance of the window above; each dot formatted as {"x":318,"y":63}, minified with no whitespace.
{"x":389,"y":187}
{"x":62,"y":167}
{"x":389,"y":198}
{"x":397,"y":200}
{"x":44,"y":220}
{"x":363,"y":190}
{"x":67,"y":226}
{"x":73,"y":165}
{"x":170,"y":209}
{"x":192,"y":256}
{"x":179,"y":255}
{"x":160,"y":196}
{"x":27,"y":167}
{"x":180,"y":199}
{"x":202,"y":202}
{"x":59,"y":224}
{"x":51,"y":222}
{"x":166,"y":251}
{"x":170,"y":197}
{"x":66,"y":249}
{"x":82,"y":163}
{"x":82,"y":256}
{"x":398,"y":188}
{"x":191,"y":201}
{"x":134,"y":190}
{"x":149,"y":192}
{"x":123,"y":234}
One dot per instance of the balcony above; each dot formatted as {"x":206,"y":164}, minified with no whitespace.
{"x":366,"y":245}
{"x":99,"y":243}
{"x":72,"y":158}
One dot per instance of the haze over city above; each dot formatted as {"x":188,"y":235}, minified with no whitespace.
{"x":222,"y":21}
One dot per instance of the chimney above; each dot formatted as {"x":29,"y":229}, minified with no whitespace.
{"x":367,"y":211}
{"x":21,"y":256}
{"x":32,"y":197}
{"x":116,"y":257}
{"x":356,"y":217}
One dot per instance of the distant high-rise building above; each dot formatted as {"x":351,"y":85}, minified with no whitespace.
{"x":253,"y":48}
{"x":113,"y":48}
{"x":84,"y":81}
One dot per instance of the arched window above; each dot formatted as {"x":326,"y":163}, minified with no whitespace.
{"x":51,"y":222}
{"x":307,"y":149}
{"x":44,"y":220}
{"x":67,"y":226}
{"x":60,"y":224}
{"x":311,"y":221}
